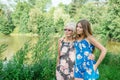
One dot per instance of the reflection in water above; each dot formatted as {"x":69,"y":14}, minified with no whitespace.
{"x":14,"y":44}
{"x":113,"y":47}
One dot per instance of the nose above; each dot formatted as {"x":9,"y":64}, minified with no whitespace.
{"x":77,"y":28}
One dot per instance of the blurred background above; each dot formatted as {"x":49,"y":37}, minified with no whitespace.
{"x":30,"y":29}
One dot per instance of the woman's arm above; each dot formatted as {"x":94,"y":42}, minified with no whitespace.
{"x":100,"y":47}
{"x":59,"y":46}
{"x":58,"y":56}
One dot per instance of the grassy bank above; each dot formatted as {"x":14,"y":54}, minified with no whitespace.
{"x":41,"y":65}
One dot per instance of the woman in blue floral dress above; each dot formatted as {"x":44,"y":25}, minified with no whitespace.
{"x":85,"y":68}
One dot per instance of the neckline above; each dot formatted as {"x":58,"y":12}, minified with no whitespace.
{"x":68,"y":41}
{"x":81,"y":40}
{"x":84,"y":40}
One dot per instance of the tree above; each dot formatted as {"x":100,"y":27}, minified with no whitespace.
{"x":111,"y":25}
{"x":20,"y":16}
{"x":6,"y":23}
{"x":42,"y":4}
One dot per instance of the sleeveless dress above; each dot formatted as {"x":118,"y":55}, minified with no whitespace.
{"x":65,"y":68}
{"x":83,"y":65}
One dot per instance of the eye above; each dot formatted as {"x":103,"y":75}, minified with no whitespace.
{"x":65,"y":29}
{"x":68,"y":30}
{"x":79,"y":27}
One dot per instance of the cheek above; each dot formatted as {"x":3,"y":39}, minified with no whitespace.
{"x":69,"y":33}
{"x":79,"y":30}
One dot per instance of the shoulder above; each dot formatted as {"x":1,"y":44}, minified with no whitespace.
{"x":74,"y":39}
{"x":90,"y":39}
{"x":94,"y":42}
{"x":61,"y":39}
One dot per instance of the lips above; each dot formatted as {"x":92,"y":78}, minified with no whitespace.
{"x":78,"y":31}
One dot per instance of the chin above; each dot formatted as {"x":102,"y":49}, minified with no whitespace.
{"x":67,"y":35}
{"x":78,"y":33}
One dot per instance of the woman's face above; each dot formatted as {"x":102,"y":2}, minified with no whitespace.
{"x":79,"y":29}
{"x":68,"y":32}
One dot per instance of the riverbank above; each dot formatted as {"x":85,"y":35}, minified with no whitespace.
{"x":26,"y":34}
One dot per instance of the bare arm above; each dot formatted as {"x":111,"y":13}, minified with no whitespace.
{"x":58,"y":51}
{"x":100,"y":47}
{"x":59,"y":46}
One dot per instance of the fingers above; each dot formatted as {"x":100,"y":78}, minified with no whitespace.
{"x":91,"y":57}
{"x":94,"y":67}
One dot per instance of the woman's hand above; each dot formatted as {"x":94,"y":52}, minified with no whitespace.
{"x":91,"y":57}
{"x":94,"y":67}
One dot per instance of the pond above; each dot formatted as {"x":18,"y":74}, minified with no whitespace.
{"x":15,"y":42}
{"x":113,"y":47}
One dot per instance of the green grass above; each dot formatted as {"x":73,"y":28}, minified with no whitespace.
{"x":109,"y":69}
{"x":44,"y":63}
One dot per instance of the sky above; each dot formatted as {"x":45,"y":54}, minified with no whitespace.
{"x":56,"y":2}
{"x":6,"y":2}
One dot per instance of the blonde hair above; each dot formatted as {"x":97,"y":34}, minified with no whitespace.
{"x":71,"y":25}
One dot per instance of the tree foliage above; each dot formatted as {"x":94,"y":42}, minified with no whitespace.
{"x":20,"y":16}
{"x":109,"y":25}
{"x":32,"y":16}
{"x":6,"y":23}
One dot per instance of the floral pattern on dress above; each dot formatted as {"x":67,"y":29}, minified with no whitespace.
{"x":65,"y":69}
{"x":83,"y":65}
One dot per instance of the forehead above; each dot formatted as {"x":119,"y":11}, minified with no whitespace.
{"x":68,"y":27}
{"x":79,"y":24}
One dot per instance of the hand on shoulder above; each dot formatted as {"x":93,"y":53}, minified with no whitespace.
{"x":61,"y":39}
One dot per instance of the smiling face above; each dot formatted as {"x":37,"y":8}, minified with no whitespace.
{"x":83,"y":28}
{"x":79,"y":29}
{"x":68,"y":31}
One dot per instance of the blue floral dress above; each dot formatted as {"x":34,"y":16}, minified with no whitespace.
{"x":83,"y":65}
